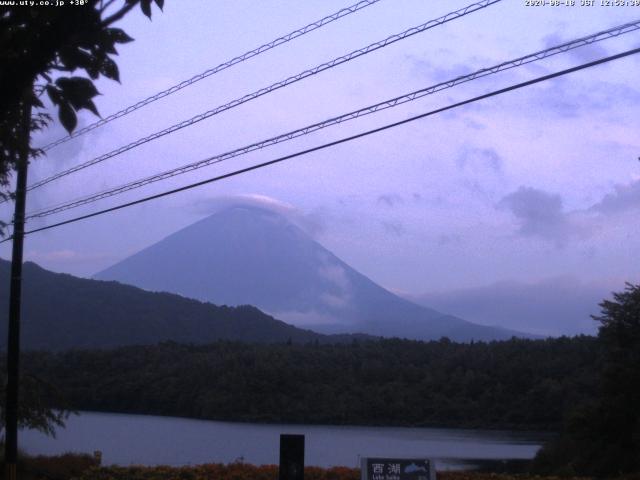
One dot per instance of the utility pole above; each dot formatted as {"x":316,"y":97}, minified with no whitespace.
{"x":15,"y":294}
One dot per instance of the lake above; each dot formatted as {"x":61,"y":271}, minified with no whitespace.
{"x":149,"y":440}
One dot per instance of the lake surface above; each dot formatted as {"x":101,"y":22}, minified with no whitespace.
{"x":148,"y":440}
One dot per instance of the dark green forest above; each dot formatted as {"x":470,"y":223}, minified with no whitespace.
{"x":601,"y":434}
{"x":520,"y":384}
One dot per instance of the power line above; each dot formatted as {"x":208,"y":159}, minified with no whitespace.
{"x":283,"y":83}
{"x":337,"y":142}
{"x":223,"y":66}
{"x":564,"y":47}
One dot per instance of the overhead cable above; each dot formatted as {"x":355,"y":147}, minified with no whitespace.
{"x":212,"y":71}
{"x":564,"y":47}
{"x":283,"y":83}
{"x":337,"y":142}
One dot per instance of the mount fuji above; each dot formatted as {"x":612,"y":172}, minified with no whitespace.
{"x":250,"y":255}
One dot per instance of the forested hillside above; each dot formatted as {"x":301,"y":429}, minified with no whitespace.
{"x":527,"y":384}
{"x":60,"y":312}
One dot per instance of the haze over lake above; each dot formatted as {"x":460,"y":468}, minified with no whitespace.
{"x":150,"y":440}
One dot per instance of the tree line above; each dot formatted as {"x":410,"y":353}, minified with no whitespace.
{"x":518,"y":384}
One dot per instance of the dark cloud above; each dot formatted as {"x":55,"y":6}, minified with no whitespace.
{"x":569,"y":99}
{"x":557,"y":97}
{"x":390,"y":199}
{"x":583,"y":54}
{"x":393,"y":227}
{"x":622,"y":199}
{"x":540,"y":214}
{"x":439,"y":71}
{"x":565,"y":97}
{"x":443,"y":74}
{"x":480,"y":157}
{"x":474,"y":124}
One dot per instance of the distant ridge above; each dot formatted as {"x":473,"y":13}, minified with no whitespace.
{"x":249,"y":255}
{"x":61,"y":312}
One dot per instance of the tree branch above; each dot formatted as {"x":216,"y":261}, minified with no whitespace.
{"x":118,"y":15}
{"x":104,"y":7}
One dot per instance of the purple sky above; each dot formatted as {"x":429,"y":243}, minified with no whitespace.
{"x":533,"y":185}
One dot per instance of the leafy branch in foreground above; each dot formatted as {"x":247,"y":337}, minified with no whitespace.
{"x":35,"y":412}
{"x":40,"y":50}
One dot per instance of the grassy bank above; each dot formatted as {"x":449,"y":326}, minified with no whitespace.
{"x":86,"y":467}
{"x":59,"y":467}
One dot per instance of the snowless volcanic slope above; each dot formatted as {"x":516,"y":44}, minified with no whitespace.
{"x":247,"y":255}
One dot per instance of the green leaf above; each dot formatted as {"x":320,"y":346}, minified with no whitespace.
{"x":73,"y":58}
{"x":54,"y":94}
{"x":110,"y":70}
{"x":93,"y":71}
{"x":118,"y":35}
{"x":89,"y":105}
{"x":105,"y":41}
{"x":67,"y":117}
{"x":145,"y":5}
{"x":78,"y":92}
{"x":77,"y":88}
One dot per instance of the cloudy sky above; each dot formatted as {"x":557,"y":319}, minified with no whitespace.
{"x":535,"y":188}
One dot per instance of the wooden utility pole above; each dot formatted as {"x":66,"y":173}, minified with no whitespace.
{"x":15,"y":295}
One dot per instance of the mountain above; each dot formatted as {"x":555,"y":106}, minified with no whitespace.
{"x":248,"y":255}
{"x":60,"y":312}
{"x":556,"y":306}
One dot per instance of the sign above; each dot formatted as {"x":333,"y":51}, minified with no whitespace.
{"x":397,"y":469}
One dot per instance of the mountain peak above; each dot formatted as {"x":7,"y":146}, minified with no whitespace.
{"x":247,"y":211}
{"x":246,"y":254}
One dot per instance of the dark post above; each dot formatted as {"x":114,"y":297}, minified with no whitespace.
{"x":291,"y":457}
{"x":15,"y":291}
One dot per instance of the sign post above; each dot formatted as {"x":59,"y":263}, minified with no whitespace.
{"x":397,"y":469}
{"x":291,"y":457}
